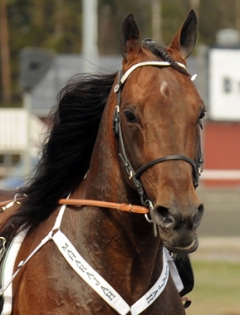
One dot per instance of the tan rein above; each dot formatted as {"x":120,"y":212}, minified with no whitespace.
{"x":85,"y":202}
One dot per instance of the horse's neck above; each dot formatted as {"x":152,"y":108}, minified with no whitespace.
{"x":121,"y":245}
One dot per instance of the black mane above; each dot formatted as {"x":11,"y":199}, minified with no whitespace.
{"x":68,"y":146}
{"x":67,"y":149}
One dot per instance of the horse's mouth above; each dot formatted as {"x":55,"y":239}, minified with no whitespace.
{"x":187,"y":249}
{"x":192,"y":247}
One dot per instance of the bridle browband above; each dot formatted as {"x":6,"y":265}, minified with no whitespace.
{"x":135,"y":175}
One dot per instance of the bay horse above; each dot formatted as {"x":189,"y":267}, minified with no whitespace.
{"x":132,"y":139}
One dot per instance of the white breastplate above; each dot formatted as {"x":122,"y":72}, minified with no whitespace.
{"x":85,"y":271}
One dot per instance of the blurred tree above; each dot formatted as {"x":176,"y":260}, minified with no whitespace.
{"x":54,"y":25}
{"x":173,"y":14}
{"x":64,"y":28}
{"x":57,"y":24}
{"x":111,"y":15}
{"x":213,"y":16}
{"x":237,"y":18}
{"x":5,"y":53}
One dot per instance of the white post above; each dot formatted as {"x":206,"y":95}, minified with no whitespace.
{"x":90,"y":35}
{"x":157,"y":21}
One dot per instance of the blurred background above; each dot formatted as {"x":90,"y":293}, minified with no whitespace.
{"x":44,"y":43}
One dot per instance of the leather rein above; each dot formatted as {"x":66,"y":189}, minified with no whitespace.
{"x":4,"y":205}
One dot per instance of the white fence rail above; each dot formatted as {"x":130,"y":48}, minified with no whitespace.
{"x":220,"y":175}
{"x":13,"y":130}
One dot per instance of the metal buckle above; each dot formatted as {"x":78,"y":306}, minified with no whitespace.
{"x":149,"y":204}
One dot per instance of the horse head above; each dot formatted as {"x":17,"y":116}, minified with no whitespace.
{"x":157,"y":121}
{"x":151,"y":156}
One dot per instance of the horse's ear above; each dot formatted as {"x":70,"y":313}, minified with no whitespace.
{"x":130,"y":40}
{"x":185,"y":39}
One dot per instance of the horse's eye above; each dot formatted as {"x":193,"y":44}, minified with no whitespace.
{"x":131,"y":118}
{"x":202,"y":114}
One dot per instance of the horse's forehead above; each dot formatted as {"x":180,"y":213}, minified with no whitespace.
{"x":152,"y":85}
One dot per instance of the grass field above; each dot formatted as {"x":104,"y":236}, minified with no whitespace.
{"x":216,"y":290}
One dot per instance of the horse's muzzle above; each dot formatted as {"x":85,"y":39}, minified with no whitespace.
{"x":173,"y":218}
{"x":177,"y":227}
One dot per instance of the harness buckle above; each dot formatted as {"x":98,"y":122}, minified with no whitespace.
{"x":116,"y":88}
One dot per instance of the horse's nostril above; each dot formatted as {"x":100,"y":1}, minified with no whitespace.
{"x":168,"y":217}
{"x":165,"y":218}
{"x":199,"y":215}
{"x":201,"y":209}
{"x":162,"y":211}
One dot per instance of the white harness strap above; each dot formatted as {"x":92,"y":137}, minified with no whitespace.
{"x":8,"y":266}
{"x":154,"y":292}
{"x":102,"y":287}
{"x":8,"y":275}
{"x":88,"y":274}
{"x":83,"y":269}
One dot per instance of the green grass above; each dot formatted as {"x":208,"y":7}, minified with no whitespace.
{"x":216,"y":290}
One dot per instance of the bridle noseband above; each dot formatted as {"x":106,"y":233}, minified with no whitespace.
{"x":135,"y":175}
{"x":169,"y":158}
